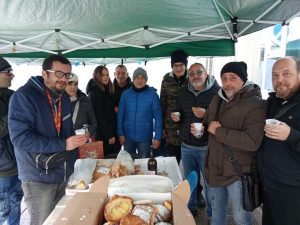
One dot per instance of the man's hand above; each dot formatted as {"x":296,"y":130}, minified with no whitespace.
{"x":278,"y":132}
{"x":122,"y":140}
{"x":111,"y":141}
{"x":76,"y":141}
{"x":155,"y":143}
{"x":199,"y":112}
{"x":212,"y":127}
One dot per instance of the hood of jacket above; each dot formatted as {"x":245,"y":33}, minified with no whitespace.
{"x":248,"y":89}
{"x":92,"y":85}
{"x":209,"y":83}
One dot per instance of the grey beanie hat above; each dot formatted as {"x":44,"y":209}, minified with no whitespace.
{"x":140,"y":72}
{"x":4,"y":64}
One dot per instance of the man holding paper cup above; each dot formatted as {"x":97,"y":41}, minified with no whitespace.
{"x":280,"y":155}
{"x":235,"y":117}
{"x":191,"y":104}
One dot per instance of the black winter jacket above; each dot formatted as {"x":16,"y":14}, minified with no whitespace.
{"x":103,"y":105}
{"x":8,"y":166}
{"x":119,"y":90}
{"x":187,"y":99}
{"x":280,"y":160}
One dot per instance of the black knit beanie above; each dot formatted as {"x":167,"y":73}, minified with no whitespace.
{"x":4,"y":64}
{"x":179,"y":56}
{"x":238,"y":68}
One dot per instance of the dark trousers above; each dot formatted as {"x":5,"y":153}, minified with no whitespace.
{"x":281,"y":208}
{"x":173,"y":150}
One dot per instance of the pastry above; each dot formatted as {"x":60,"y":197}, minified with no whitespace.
{"x":117,"y":208}
{"x":132,"y":220}
{"x":145,"y":212}
{"x":168,"y":205}
{"x":163,"y":214}
{"x":81,"y":185}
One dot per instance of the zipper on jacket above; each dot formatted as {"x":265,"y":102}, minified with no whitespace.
{"x":46,"y":166}
{"x":37,"y":160}
{"x":65,"y":171}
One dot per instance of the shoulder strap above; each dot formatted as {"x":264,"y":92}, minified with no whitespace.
{"x":231,"y":156}
{"x":75,"y":113}
{"x":218,"y":109}
{"x":285,"y":109}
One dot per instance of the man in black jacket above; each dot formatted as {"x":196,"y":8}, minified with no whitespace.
{"x":10,"y":186}
{"x":192,"y":103}
{"x":122,"y":82}
{"x":280,"y":155}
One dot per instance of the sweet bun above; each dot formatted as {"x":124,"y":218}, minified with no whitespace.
{"x":117,"y":208}
{"x":163,"y":214}
{"x":145,"y":212}
{"x":132,"y":220}
{"x":81,"y":185}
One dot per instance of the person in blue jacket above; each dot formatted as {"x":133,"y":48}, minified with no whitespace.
{"x":40,"y":121}
{"x":139,"y":109}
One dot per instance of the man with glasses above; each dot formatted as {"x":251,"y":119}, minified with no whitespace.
{"x":40,"y":122}
{"x":10,"y":186}
{"x":192,"y":103}
{"x":170,"y":87}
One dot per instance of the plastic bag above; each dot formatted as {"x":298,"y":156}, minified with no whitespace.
{"x":125,"y":159}
{"x":83,"y":173}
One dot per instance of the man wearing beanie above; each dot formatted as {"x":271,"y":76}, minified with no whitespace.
{"x":235,"y":118}
{"x":11,"y":192}
{"x":170,"y":87}
{"x":139,"y":106}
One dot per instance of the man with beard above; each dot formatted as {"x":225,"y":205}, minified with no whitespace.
{"x":192,"y":103}
{"x":235,"y":118}
{"x":280,"y":155}
{"x":40,"y":121}
{"x":10,"y":186}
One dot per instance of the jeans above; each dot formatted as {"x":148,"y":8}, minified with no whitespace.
{"x":11,"y":195}
{"x":219,"y":204}
{"x":193,"y":158}
{"x":41,"y":198}
{"x":142,"y":147}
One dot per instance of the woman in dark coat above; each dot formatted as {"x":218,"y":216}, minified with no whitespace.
{"x":100,"y":91}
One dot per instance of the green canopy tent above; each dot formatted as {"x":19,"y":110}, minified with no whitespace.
{"x":91,"y":29}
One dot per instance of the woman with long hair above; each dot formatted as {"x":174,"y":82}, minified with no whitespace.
{"x":100,"y":91}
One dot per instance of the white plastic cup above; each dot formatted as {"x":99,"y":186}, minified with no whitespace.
{"x":80,"y":131}
{"x":198,"y":127}
{"x":272,"y":121}
{"x":177,"y":114}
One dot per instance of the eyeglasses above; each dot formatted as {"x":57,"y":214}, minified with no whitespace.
{"x":60,"y":74}
{"x":9,"y":72}
{"x":198,"y":73}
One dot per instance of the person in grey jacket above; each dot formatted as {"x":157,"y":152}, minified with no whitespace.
{"x":82,"y":110}
{"x":10,"y":186}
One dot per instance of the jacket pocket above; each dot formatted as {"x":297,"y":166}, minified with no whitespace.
{"x":7,"y":156}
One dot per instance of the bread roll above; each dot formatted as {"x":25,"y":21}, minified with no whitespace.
{"x":117,"y":208}
{"x":132,"y":220}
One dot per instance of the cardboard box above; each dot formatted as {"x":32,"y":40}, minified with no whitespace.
{"x":87,"y":208}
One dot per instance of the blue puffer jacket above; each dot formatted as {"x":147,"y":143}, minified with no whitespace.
{"x":32,"y":130}
{"x":137,"y":110}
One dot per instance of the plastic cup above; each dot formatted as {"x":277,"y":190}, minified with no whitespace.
{"x":272,"y":121}
{"x":198,"y":127}
{"x":80,"y":132}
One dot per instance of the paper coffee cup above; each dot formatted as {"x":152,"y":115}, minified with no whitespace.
{"x":272,"y":121}
{"x":80,"y":132}
{"x":177,"y":114}
{"x":198,"y":127}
